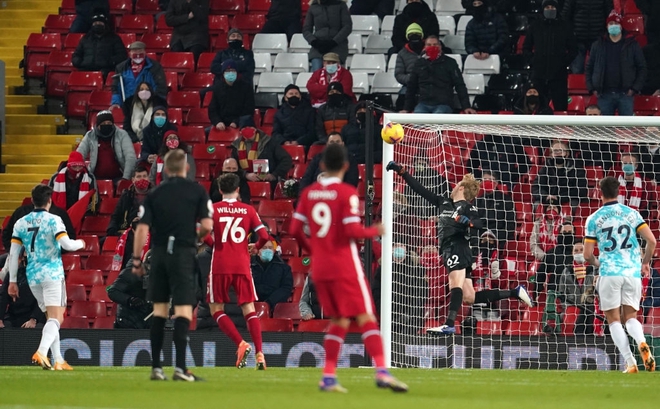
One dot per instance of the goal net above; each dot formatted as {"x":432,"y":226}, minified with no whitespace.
{"x":539,"y":184}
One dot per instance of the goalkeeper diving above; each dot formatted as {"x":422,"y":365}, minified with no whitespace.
{"x":458,"y":219}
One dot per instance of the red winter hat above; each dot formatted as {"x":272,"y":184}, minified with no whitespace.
{"x":614,"y":16}
{"x":168,"y":133}
{"x":75,"y":159}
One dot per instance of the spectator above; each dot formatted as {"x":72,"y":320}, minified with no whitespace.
{"x":332,"y":116}
{"x":532,"y":102}
{"x":129,"y":292}
{"x":273,"y":280}
{"x":129,"y":202}
{"x":436,"y":281}
{"x":171,"y":141}
{"x":407,"y":57}
{"x":652,"y":58}
{"x":313,"y":171}
{"x":283,"y":17}
{"x":616,"y":69}
{"x":190,"y":20}
{"x":230,"y":165}
{"x":587,"y":17}
{"x":434,"y":77}
{"x":243,"y":59}
{"x":85,"y":11}
{"x":649,"y":157}
{"x":487,"y":32}
{"x":552,"y":44}
{"x":255,"y":144}
{"x":592,"y":110}
{"x":430,"y":178}
{"x":634,"y":191}
{"x":332,"y":71}
{"x":152,"y":135}
{"x":327,"y":26}
{"x":416,"y":11}
{"x":496,"y":207}
{"x":500,"y":153}
{"x":547,"y":228}
{"x":137,"y":69}
{"x":381,"y":8}
{"x":100,"y":49}
{"x":294,"y":122}
{"x":354,"y":134}
{"x":561,"y":180}
{"x":24,"y":311}
{"x":651,"y":11}
{"x":577,"y":288}
{"x":72,"y":182}
{"x":592,"y":153}
{"x":652,"y":296}
{"x":232,"y":104}
{"x":109,"y":149}
{"x":559,"y":255}
{"x":27,"y":209}
{"x":309,"y":305}
{"x":138,"y":110}
{"x":124,"y":248}
{"x":409,"y":289}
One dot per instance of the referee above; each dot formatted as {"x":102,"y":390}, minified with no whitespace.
{"x":171,"y":211}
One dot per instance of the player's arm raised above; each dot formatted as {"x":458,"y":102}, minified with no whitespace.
{"x":414,"y":184}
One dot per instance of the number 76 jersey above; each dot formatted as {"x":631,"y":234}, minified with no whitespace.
{"x":614,"y":227}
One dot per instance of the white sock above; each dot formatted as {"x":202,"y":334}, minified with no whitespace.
{"x":621,"y":341}
{"x":50,"y":331}
{"x":55,"y":347}
{"x":635,"y":330}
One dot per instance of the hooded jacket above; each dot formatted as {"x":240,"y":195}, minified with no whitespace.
{"x":243,"y":58}
{"x":99,"y":53}
{"x":491,"y":35}
{"x":328,"y":20}
{"x":419,"y":13}
{"x":122,"y":145}
{"x":587,"y":17}
{"x":333,"y":118}
{"x":405,"y":62}
{"x":552,"y":46}
{"x":152,"y":137}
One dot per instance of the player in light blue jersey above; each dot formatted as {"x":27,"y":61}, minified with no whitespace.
{"x":43,"y":235}
{"x":614,"y":227}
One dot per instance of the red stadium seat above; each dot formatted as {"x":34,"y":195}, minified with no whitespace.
{"x":262,"y":309}
{"x":569,"y":319}
{"x":37,"y":50}
{"x":297,"y":152}
{"x":276,"y":325}
{"x":287,"y":310}
{"x":178,"y":62}
{"x":137,"y":24}
{"x":297,"y":294}
{"x":172,"y":80}
{"x":489,"y":328}
{"x":68,"y":7}
{"x":157,"y":42}
{"x":175,"y":115}
{"x":105,"y":187}
{"x":192,"y":134}
{"x":258,"y":6}
{"x":576,"y":104}
{"x":194,"y":81}
{"x":207,"y":99}
{"x":314,"y":150}
{"x":289,"y":247}
{"x":646,"y":105}
{"x":269,"y":117}
{"x":203,"y":171}
{"x":313,"y":326}
{"x":79,"y":85}
{"x":299,"y":279}
{"x":279,"y":209}
{"x":204,"y":62}
{"x":249,"y":23}
{"x":99,"y":293}
{"x":577,"y":84}
{"x":229,"y":7}
{"x":259,"y":191}
{"x":88,"y":278}
{"x":101,"y":262}
{"x":71,"y":262}
{"x":75,"y":292}
{"x":121,"y":7}
{"x":110,"y":244}
{"x":112,"y":277}
{"x":127,"y":38}
{"x":218,"y":24}
{"x":123,"y":185}
{"x":75,"y":323}
{"x":59,"y":24}
{"x":299,"y":265}
{"x":99,"y":100}
{"x":57,"y":70}
{"x":594,"y":175}
{"x":147,"y":7}
{"x":633,"y":24}
{"x":91,"y":246}
{"x":299,"y":170}
{"x":220,"y":43}
{"x":108,"y":206}
{"x":88,"y":309}
{"x":522,"y":328}
{"x":185,"y":100}
{"x":162,"y":27}
{"x":227,"y":136}
{"x":71,"y":41}
{"x":198,"y":117}
{"x":104,"y":323}
{"x":216,"y":153}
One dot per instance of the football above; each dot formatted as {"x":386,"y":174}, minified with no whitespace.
{"x":392,"y":133}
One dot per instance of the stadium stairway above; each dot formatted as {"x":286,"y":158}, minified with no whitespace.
{"x":32,"y":149}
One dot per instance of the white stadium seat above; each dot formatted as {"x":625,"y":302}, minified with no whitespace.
{"x":489,"y":66}
{"x":449,"y":7}
{"x":360,"y":83}
{"x":385,"y":82}
{"x":262,"y":62}
{"x":456,"y":43}
{"x":391,"y":64}
{"x":291,"y":62}
{"x":354,"y":44}
{"x":365,"y":25}
{"x":475,"y":83}
{"x":369,"y":63}
{"x":301,"y":80}
{"x":274,"y":81}
{"x":447,"y":25}
{"x":269,"y":43}
{"x":462,"y":24}
{"x":378,"y":44}
{"x":387,"y":27}
{"x":299,"y":44}
{"x":458,"y":59}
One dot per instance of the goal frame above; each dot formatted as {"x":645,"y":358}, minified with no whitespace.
{"x":472,"y":120}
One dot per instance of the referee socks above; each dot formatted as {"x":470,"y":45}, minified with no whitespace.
{"x":181,"y":326}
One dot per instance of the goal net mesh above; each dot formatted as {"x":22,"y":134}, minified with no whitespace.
{"x":545,"y":187}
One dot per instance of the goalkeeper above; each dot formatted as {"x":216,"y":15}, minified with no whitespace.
{"x":456,"y":218}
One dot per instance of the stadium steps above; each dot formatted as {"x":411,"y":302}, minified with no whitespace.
{"x":32,"y":148}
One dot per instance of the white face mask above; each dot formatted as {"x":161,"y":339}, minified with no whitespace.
{"x":579,"y":258}
{"x":144,"y":94}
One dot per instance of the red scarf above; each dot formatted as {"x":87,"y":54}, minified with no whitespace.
{"x":246,"y":158}
{"x":580,"y":272}
{"x":59,"y":187}
{"x":548,"y":238}
{"x":323,"y":79}
{"x":120,"y":250}
{"x":137,"y":68}
{"x":631,"y":198}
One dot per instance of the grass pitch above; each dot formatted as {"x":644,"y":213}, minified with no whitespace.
{"x":280,"y":388}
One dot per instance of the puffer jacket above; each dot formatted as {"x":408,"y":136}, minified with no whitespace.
{"x":587,"y":18}
{"x":333,"y":118}
{"x":435,"y":82}
{"x":354,"y":135}
{"x":568,"y":182}
{"x":243,"y":58}
{"x":552,"y":44}
{"x":419,"y":13}
{"x":190,"y":31}
{"x":99,"y":53}
{"x":152,"y":73}
{"x":295,"y":124}
{"x":633,"y":65}
{"x":122,"y":145}
{"x":328,"y":20}
{"x":488,"y":36}
{"x":405,"y":61}
{"x":152,"y":138}
{"x":650,"y":8}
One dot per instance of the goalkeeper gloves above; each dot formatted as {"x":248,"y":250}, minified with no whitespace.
{"x":462,"y":219}
{"x":399,"y":169}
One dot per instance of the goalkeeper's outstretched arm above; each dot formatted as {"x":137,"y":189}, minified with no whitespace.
{"x":434,"y":199}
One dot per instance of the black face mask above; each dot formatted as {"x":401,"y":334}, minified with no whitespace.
{"x":559,"y":161}
{"x":565,"y":239}
{"x":293,"y":101}
{"x":479,"y":13}
{"x":98,"y":29}
{"x":361,"y":117}
{"x":106,"y":131}
{"x":236,"y":44}
{"x":414,"y":9}
{"x":335,"y":100}
{"x":532,"y":99}
{"x":416,"y":45}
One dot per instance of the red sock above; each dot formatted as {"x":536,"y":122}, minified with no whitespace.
{"x":254,"y":326}
{"x":227,"y":326}
{"x":332,"y":343}
{"x":373,"y":343}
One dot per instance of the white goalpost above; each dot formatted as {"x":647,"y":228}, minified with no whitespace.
{"x":545,"y":171}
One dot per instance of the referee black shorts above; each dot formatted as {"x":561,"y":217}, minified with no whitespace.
{"x":172,"y":276}
{"x":458,"y":256}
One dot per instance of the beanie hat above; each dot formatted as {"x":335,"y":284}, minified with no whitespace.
{"x":550,"y":3}
{"x":100,"y":17}
{"x":104,"y":116}
{"x":414,"y":28}
{"x":529,"y":85}
{"x":234,"y":30}
{"x":168,"y":133}
{"x":75,"y":159}
{"x":614,"y":16}
{"x":290,"y":87}
{"x":160,"y":108}
{"x":228,"y":64}
{"x":336,"y":86}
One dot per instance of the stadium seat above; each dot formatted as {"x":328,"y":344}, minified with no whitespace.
{"x":57,"y":69}
{"x":101,"y":262}
{"x":112,"y":277}
{"x":249,"y":23}
{"x":218,"y":25}
{"x":287,"y":310}
{"x":298,"y":44}
{"x":274,"y":81}
{"x":299,"y":170}
{"x":128,"y":39}
{"x":276,"y":325}
{"x":489,"y":66}
{"x":109,"y":245}
{"x":259,"y":191}
{"x":360,"y":83}
{"x":137,"y":24}
{"x":258,"y":6}
{"x":74,"y":323}
{"x":79,"y":85}
{"x":458,"y":59}
{"x":314,"y":150}
{"x":298,"y":277}
{"x":204,"y":62}
{"x":291,"y":62}
{"x":88,"y":309}
{"x":297,"y":152}
{"x":365,"y":25}
{"x":91,"y":246}
{"x":369,"y":63}
{"x":269,"y":43}
{"x":504,"y":83}
{"x":215,"y":153}
{"x":522,"y":328}
{"x":105,"y":187}
{"x":475,"y":83}
{"x":313,"y":326}
{"x":75,"y":292}
{"x":203,"y":171}
{"x":387,"y":26}
{"x":301,"y":81}
{"x":377,"y":44}
{"x":384,"y":82}
{"x":269,"y":116}
{"x":108,"y":205}
{"x":178,"y":62}
{"x":297,"y":295}
{"x":229,"y":7}
{"x":162,"y":27}
{"x":277,"y":209}
{"x":185,"y":100}
{"x":71,"y":262}
{"x":354,"y":44}
{"x":37,"y":51}
{"x":227,"y":136}
{"x":489,"y":328}
{"x":262,"y":309}
{"x":576,"y":104}
{"x":449,"y":7}
{"x":462,"y":24}
{"x":147,"y":7}
{"x":262,"y":63}
{"x":99,"y":293}
{"x":59,"y":24}
{"x":194,"y":81}
{"x":633,"y":24}
{"x":196,"y":118}
{"x":646,"y":105}
{"x":456,"y":43}
{"x":157,"y":42}
{"x":289,"y":247}
{"x":577,"y":84}
{"x":88,"y":278}
{"x":71,"y":41}
{"x":266,"y":100}
{"x":447,"y":25}
{"x":104,"y":323}
{"x":123,"y":185}
{"x":68,"y":7}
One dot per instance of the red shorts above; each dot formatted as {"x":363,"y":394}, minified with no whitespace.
{"x":345,"y":298}
{"x":218,"y":288}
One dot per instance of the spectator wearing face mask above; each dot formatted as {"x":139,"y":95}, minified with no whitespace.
{"x":190,"y":22}
{"x":587,"y":17}
{"x":326,"y":28}
{"x":434,"y":78}
{"x":171,"y":141}
{"x":576,"y":288}
{"x":503,"y":154}
{"x":137,"y":69}
{"x":616,"y":69}
{"x":547,"y":228}
{"x":429,"y":177}
{"x":407,"y":57}
{"x":332,"y":71}
{"x":496,"y":208}
{"x":532,"y":102}
{"x":255,"y":144}
{"x":551,"y":44}
{"x":152,"y":135}
{"x":72,"y":183}
{"x":649,"y":158}
{"x":416,"y":11}
{"x":232,"y":104}
{"x":313,"y":170}
{"x":100,"y":49}
{"x":332,"y":116}
{"x":243,"y":59}
{"x":354,"y":135}
{"x":129,"y":202}
{"x":273,"y":280}
{"x":230,"y":165}
{"x":557,"y":256}
{"x":109,"y":149}
{"x":85,"y":11}
{"x":409,"y":287}
{"x":487,"y":32}
{"x":634,"y":190}
{"x":138,"y":110}
{"x":295,"y":121}
{"x":435,"y":275}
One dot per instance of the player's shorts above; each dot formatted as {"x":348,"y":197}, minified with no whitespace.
{"x":344,"y":297}
{"x":458,"y":257}
{"x":219,"y":284}
{"x":172,"y":276}
{"x":613,"y":292}
{"x":49,"y":294}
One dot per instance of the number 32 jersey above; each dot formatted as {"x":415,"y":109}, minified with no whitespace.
{"x":614,"y":227}
{"x":232,"y":223}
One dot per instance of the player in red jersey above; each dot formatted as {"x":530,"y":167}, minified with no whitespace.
{"x":331,"y":210}
{"x":230,"y":266}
